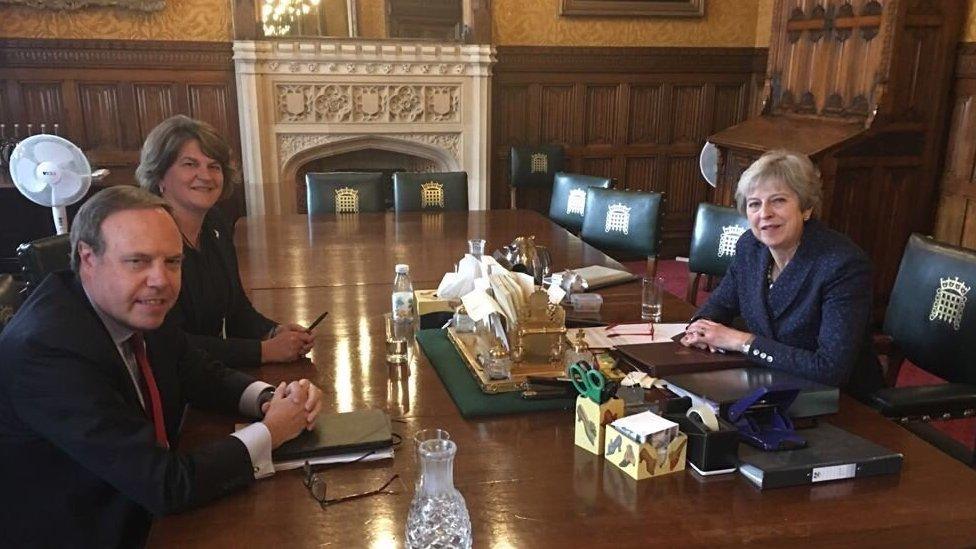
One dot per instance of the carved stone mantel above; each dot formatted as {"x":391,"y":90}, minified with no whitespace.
{"x":304,"y":99}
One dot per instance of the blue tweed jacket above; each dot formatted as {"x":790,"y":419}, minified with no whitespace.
{"x":814,"y":320}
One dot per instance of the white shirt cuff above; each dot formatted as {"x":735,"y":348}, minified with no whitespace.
{"x":248,"y":405}
{"x":257,"y":439}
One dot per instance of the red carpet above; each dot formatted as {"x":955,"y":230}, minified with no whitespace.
{"x":675,"y":274}
{"x":963,"y":430}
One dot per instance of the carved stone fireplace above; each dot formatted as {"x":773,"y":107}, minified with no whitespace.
{"x":302,"y":100}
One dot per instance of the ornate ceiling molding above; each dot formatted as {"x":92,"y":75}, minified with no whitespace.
{"x":69,"y":5}
{"x":364,"y":58}
{"x":42,"y":53}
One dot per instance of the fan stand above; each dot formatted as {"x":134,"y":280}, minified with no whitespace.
{"x":60,"y":214}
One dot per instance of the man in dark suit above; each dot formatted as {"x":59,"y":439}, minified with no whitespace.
{"x":93,"y":384}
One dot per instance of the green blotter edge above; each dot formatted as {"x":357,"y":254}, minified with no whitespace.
{"x":464,"y":390}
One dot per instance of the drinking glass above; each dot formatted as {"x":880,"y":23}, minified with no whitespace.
{"x":396,"y":340}
{"x":652,"y":292}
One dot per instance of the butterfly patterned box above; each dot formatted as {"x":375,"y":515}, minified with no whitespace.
{"x":592,"y":420}
{"x":642,"y":461}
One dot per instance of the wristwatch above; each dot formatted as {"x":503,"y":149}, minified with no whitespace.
{"x":265,"y":396}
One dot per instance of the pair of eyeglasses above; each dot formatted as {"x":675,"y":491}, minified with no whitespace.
{"x":317,"y":487}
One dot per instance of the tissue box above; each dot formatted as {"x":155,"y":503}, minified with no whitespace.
{"x":641,"y":461}
{"x":592,"y":420}
{"x":428,"y":302}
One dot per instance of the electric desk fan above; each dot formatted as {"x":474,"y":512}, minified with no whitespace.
{"x":708,"y":163}
{"x":53,"y":172}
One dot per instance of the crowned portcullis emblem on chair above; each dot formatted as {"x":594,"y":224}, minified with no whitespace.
{"x":950,"y":302}
{"x":432,"y":195}
{"x":618,"y":219}
{"x":576,"y":202}
{"x":726,"y":242}
{"x":346,"y":200}
{"x":539,"y":163}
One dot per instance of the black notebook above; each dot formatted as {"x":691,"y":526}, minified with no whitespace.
{"x":831,"y":454}
{"x":356,"y":431}
{"x":722,"y":388}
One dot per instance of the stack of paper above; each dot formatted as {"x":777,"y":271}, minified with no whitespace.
{"x":609,"y":337}
{"x":510,"y":292}
{"x":371,"y":455}
{"x":598,"y":276}
{"x":640,"y":427}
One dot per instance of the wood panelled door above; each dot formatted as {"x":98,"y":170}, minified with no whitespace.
{"x":639,"y":115}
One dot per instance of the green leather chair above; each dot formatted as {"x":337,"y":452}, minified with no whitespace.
{"x":344,"y":192}
{"x":713,"y":239}
{"x":568,"y":200}
{"x":534,"y":167}
{"x":624,"y":221}
{"x":931,"y":322}
{"x":437,"y":191}
{"x":45,"y":255}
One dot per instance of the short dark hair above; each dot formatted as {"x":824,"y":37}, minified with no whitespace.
{"x":87,"y":224}
{"x":163,"y":145}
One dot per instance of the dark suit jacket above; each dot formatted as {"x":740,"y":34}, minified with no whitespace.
{"x":814,"y":320}
{"x":198,"y":310}
{"x":78,"y":460}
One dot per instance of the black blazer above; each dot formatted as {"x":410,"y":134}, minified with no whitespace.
{"x":78,"y":459}
{"x":197,"y":311}
{"x":814,"y":320}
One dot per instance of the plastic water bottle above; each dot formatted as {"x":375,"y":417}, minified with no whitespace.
{"x":404,"y":303}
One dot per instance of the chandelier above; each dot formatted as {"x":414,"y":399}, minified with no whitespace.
{"x":278,"y":16}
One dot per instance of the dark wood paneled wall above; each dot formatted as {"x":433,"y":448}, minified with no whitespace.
{"x":956,"y":220}
{"x":880,"y":166}
{"x":105,"y":96}
{"x":639,"y":115}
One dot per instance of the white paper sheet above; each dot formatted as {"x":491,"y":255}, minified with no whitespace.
{"x":598,"y":276}
{"x":526,"y":283}
{"x":646,"y":424}
{"x":384,"y":453}
{"x":556,"y":294}
{"x":504,"y":296}
{"x":493,"y":265}
{"x":609,"y":337}
{"x":479,"y":305}
{"x":453,"y":286}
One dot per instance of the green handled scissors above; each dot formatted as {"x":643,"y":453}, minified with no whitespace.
{"x":588,"y":382}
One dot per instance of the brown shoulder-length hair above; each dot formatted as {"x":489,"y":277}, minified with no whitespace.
{"x":164,"y":142}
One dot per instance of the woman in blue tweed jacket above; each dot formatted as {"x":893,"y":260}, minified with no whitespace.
{"x":803,"y":290}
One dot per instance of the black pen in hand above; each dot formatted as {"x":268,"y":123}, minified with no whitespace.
{"x":316,"y":322}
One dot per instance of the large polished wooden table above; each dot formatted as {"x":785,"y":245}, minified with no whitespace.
{"x":525,"y":482}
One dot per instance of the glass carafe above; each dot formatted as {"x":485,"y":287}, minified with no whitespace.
{"x":438,"y":516}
